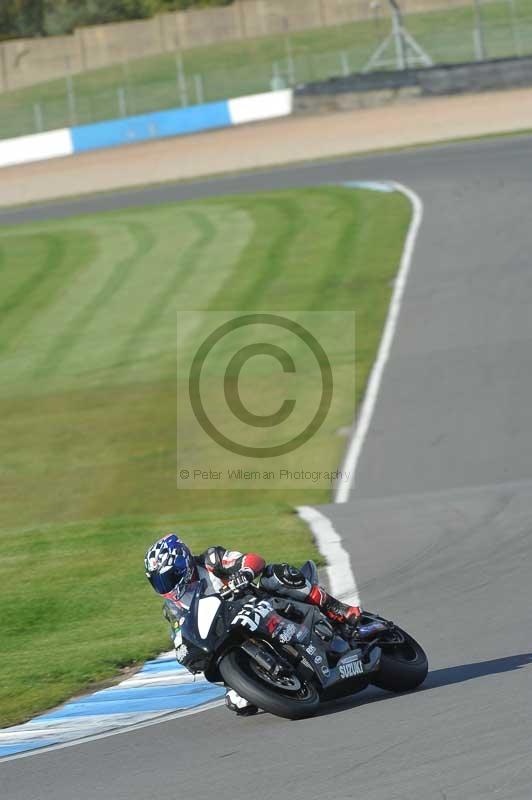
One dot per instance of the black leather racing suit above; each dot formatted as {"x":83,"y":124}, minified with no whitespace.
{"x":216,"y":566}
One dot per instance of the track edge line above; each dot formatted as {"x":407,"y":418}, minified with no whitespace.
{"x":354,"y":449}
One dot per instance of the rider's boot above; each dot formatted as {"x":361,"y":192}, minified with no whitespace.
{"x":333,"y":608}
{"x":239,"y":705}
{"x":288,"y":581}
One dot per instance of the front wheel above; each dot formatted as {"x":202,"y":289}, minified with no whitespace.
{"x":403,"y":666}
{"x":287,"y":696}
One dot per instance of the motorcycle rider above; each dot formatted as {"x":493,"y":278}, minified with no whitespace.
{"x":174,"y":571}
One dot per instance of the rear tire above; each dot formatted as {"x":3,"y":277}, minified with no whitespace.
{"x":239,"y":676}
{"x":402,"y":668}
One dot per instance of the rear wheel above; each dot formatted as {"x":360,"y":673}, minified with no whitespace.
{"x":403,"y":666}
{"x":285,"y":695}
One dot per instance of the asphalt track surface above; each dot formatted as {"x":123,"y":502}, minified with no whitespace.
{"x":438,"y":528}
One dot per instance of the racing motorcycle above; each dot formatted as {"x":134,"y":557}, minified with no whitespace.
{"x":286,"y":657}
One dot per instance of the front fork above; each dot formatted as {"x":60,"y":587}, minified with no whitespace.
{"x":274,"y":663}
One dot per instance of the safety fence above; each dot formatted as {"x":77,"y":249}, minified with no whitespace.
{"x":24,"y":62}
{"x":202,"y":75}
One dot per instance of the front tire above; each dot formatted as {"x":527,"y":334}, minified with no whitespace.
{"x":402,"y":668}
{"x":238,"y":674}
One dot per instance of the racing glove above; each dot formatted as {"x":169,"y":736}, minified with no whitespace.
{"x":240,"y":580}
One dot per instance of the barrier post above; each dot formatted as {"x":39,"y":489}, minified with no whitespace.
{"x":478,"y":33}
{"x":277,"y":81}
{"x":71,"y":97}
{"x":37,"y":115}
{"x":122,"y":105}
{"x":198,"y":84}
{"x":344,"y":63}
{"x":181,"y":78}
{"x":3,"y":66}
{"x":290,"y":67}
{"x":516,"y":34}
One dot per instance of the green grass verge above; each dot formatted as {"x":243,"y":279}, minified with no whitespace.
{"x":88,"y":405}
{"x":244,"y":67}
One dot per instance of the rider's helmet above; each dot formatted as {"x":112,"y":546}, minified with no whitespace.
{"x":169,"y":565}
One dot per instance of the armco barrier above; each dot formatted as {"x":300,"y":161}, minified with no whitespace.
{"x":174,"y":122}
{"x":375,"y":88}
{"x":37,"y":147}
{"x":256,"y":107}
{"x":160,"y":124}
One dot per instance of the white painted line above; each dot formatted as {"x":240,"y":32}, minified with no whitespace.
{"x":350,"y":462}
{"x":340,"y":576}
{"x":156,"y":681}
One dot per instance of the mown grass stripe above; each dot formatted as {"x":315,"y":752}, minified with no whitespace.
{"x":55,"y":254}
{"x":168,"y":293}
{"x":275,"y":256}
{"x":55,"y":251}
{"x":343,"y":260}
{"x":256,"y":268}
{"x":144,"y":241}
{"x":52,"y":274}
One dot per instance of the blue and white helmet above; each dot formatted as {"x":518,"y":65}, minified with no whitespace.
{"x":169,"y":566}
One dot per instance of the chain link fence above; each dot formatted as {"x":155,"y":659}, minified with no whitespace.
{"x":201,"y":75}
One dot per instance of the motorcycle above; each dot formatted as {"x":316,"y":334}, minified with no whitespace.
{"x":287,"y":657}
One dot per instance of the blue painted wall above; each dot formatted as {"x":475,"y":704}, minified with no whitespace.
{"x":150,"y":126}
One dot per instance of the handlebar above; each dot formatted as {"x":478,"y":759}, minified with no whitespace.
{"x":240,"y":588}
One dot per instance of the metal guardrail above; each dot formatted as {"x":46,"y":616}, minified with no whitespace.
{"x":444,"y":79}
{"x":178,"y":80}
{"x":144,"y":127}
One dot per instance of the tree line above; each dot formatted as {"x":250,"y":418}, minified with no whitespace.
{"x":21,"y":18}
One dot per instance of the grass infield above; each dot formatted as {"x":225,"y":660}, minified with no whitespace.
{"x":88,"y":404}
